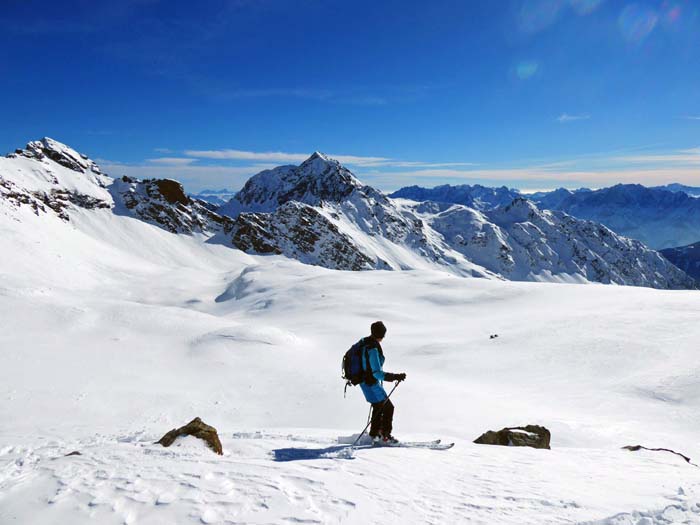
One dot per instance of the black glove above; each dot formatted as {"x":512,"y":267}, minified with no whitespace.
{"x":388,"y":376}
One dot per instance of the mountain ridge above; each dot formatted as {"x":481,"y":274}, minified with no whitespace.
{"x":319,"y":213}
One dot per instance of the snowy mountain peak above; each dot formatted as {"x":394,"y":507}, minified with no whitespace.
{"x":317,"y":156}
{"x":319,"y":164}
{"x":59,"y":153}
{"x":520,"y":210}
{"x":318,"y":179}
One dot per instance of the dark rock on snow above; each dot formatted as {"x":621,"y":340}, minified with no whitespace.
{"x":198,"y":429}
{"x":533,"y":436}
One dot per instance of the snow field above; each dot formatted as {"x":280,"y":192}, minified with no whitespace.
{"x":114,"y":331}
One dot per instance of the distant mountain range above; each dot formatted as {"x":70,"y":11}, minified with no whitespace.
{"x":661,"y":217}
{"x":320,"y":214}
{"x":217,"y":197}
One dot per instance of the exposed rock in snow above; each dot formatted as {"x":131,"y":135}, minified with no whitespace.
{"x":301,"y":232}
{"x":59,"y":153}
{"x":534,"y":436}
{"x":163,"y":202}
{"x":51,"y":177}
{"x":198,"y":429}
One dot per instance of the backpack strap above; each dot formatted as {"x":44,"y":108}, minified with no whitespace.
{"x":367,"y":342}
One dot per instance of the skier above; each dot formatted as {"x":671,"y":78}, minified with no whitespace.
{"x":382,"y":407}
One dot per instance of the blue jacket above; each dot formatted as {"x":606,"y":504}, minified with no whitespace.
{"x":374,"y":393}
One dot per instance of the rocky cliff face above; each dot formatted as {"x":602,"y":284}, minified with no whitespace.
{"x":164,"y":202}
{"x":301,"y":232}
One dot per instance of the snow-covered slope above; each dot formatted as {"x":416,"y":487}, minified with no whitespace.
{"x":478,"y":197}
{"x":687,"y":258}
{"x":657,"y":217}
{"x":115,"y":330}
{"x":319,"y":213}
{"x":50,"y":177}
{"x":660,"y":217}
{"x":521,"y":242}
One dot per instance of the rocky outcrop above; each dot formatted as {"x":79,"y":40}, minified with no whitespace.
{"x":198,"y":429}
{"x":59,"y":153}
{"x":164,"y":203}
{"x":301,"y":232}
{"x":534,"y":436}
{"x":50,"y":177}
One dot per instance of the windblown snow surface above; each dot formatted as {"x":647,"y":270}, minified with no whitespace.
{"x":114,"y":331}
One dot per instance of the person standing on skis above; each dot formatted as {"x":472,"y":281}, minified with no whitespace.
{"x":372,"y":388}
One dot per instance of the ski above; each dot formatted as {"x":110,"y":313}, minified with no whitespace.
{"x":433,"y":445}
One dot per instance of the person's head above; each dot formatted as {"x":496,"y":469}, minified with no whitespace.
{"x":378,"y":330}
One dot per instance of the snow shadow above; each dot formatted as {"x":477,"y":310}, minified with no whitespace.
{"x":303,"y":454}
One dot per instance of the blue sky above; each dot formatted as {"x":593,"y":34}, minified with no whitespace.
{"x":527,"y":93}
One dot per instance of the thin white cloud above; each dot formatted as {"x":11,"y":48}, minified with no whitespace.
{"x":234,"y":154}
{"x":565,"y":117}
{"x":193,"y":178}
{"x":164,"y":151}
{"x":172,"y":161}
{"x":691,"y":117}
{"x":279,"y":156}
{"x":683,"y":156}
{"x":533,"y":176}
{"x":275,"y":156}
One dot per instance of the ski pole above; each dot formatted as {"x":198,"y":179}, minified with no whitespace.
{"x":369,"y":422}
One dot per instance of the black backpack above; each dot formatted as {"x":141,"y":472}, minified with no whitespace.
{"x":354,"y":371}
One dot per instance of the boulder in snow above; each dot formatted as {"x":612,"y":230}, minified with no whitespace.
{"x":196,"y":428}
{"x":533,"y":436}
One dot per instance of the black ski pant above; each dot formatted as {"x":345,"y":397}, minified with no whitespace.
{"x":382,"y":418}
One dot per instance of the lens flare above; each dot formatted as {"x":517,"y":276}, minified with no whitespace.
{"x":637,"y":22}
{"x":535,"y":15}
{"x":526,"y":69}
{"x":585,"y":7}
{"x":670,"y":13}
